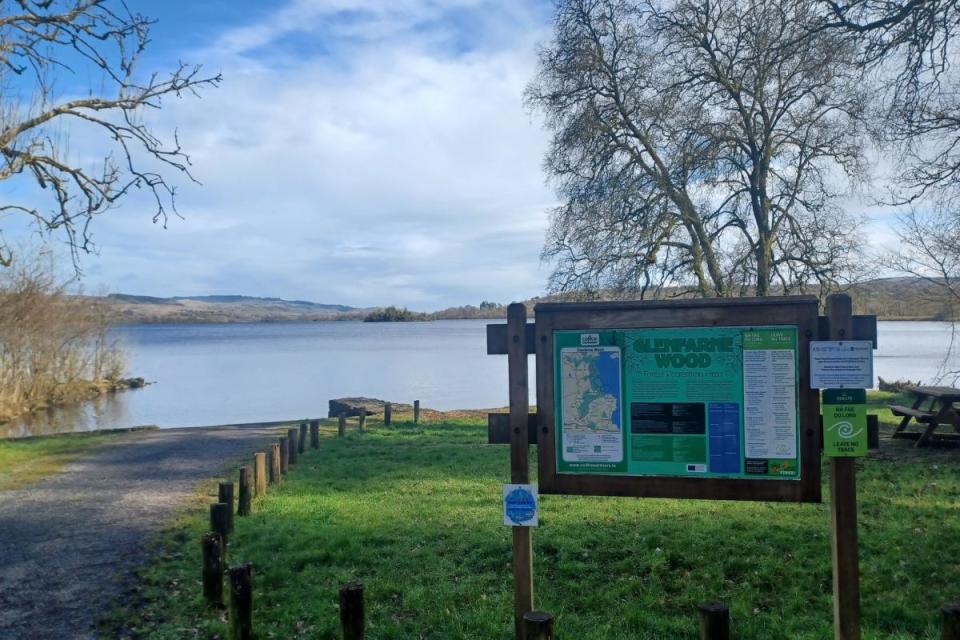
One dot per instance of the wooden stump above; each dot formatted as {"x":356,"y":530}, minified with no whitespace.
{"x":950,"y":625}
{"x":244,"y":492}
{"x":387,"y":414}
{"x":416,"y":412}
{"x":363,"y":419}
{"x":351,"y":611}
{"x":225,"y":495}
{"x":302,"y":445}
{"x":276,"y":466}
{"x":260,"y":473}
{"x":284,"y":455}
{"x":538,"y":625}
{"x":241,"y":602}
{"x":212,"y":549}
{"x":220,"y":521}
{"x":341,"y":425}
{"x":314,"y":434}
{"x":292,"y":436}
{"x":714,"y":621}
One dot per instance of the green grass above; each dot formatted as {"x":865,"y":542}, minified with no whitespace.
{"x":26,"y":460}
{"x":414,"y":512}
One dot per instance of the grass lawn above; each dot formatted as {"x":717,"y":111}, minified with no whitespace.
{"x":27,"y":460}
{"x":414,"y":512}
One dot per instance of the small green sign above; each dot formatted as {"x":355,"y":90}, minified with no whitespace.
{"x":844,"y":422}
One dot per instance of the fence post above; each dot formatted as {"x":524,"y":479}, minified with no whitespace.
{"x":260,"y":473}
{"x":387,"y":414}
{"x":314,"y":434}
{"x":341,"y":424}
{"x":950,"y":626}
{"x":225,"y":495}
{"x":362,"y":417}
{"x":302,"y":445}
{"x":220,"y":521}
{"x":714,"y":621}
{"x":275,"y":465}
{"x":241,"y":602}
{"x":416,"y":411}
{"x":351,"y":611}
{"x":284,"y":443}
{"x":243,"y":492}
{"x":292,"y":436}
{"x":212,"y":548}
{"x":537,"y":625}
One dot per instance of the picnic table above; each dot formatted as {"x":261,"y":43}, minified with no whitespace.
{"x":939,"y":411}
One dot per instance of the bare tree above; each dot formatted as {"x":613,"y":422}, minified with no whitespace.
{"x":700,"y":144}
{"x":92,"y":47}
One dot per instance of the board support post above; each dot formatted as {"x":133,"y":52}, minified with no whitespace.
{"x":518,"y":381}
{"x":843,"y":506}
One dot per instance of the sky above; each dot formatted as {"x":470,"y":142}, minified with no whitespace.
{"x":360,"y":152}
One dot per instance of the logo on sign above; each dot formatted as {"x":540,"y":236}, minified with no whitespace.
{"x":590,"y":340}
{"x":520,"y":505}
{"x":845,"y":430}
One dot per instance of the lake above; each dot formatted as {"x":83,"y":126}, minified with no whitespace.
{"x":208,"y":374}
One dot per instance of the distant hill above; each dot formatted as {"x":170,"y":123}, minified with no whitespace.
{"x":132,"y":309}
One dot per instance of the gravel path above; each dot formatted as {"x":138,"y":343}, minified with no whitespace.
{"x":69,"y":544}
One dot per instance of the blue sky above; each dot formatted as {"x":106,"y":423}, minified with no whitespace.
{"x":362,"y":152}
{"x":358,"y":152}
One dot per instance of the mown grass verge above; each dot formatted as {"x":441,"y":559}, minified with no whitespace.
{"x":26,"y":460}
{"x":414,"y":512}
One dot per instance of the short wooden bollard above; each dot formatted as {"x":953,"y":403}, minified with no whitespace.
{"x":225,"y":495}
{"x":260,"y":473}
{"x":714,"y":621}
{"x":276,"y":467}
{"x":292,"y":436}
{"x":950,"y":626}
{"x":538,"y":625}
{"x":363,"y":418}
{"x":244,"y":492}
{"x":314,"y":434}
{"x":241,"y":602}
{"x":212,"y":547}
{"x":342,"y":425}
{"x":220,"y":521}
{"x":416,"y":411}
{"x":387,"y":414}
{"x":351,"y":611}
{"x":284,"y":455}
{"x":302,"y":445}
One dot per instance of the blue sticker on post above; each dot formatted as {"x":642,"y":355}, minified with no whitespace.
{"x":520,"y":505}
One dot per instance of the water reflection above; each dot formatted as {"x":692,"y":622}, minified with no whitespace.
{"x":107,"y":411}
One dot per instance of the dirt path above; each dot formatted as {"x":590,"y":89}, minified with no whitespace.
{"x":69,"y":544}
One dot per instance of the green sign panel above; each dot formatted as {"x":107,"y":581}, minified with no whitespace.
{"x":844,"y":422}
{"x":694,"y":402}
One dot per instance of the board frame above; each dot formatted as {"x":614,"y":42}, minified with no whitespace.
{"x":795,"y":311}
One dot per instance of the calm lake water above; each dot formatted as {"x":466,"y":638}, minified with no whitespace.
{"x":234,"y":373}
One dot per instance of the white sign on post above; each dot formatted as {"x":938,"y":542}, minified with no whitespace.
{"x":841,"y":364}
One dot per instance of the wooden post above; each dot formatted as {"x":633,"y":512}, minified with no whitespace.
{"x":519,"y":459}
{"x":241,"y":602}
{"x":212,"y":548}
{"x":260,"y":473}
{"x":220,"y":521}
{"x":225,"y":495}
{"x":276,"y":467}
{"x":363,"y":418}
{"x":950,"y":626}
{"x":538,"y":625}
{"x":284,"y":443}
{"x":292,"y":436}
{"x":714,"y":621}
{"x":302,"y":445}
{"x":341,"y":424}
{"x":843,"y":506}
{"x":416,"y":411}
{"x":351,"y":611}
{"x":314,"y":434}
{"x":387,"y":414}
{"x":244,"y":492}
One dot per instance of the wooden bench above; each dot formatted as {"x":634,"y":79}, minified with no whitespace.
{"x":917,"y":414}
